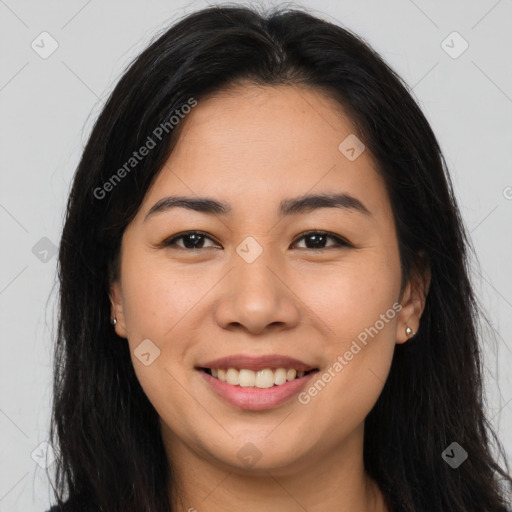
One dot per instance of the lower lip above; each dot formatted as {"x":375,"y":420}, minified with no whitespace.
{"x":256,"y":399}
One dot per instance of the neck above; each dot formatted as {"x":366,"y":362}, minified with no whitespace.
{"x":334,"y":480}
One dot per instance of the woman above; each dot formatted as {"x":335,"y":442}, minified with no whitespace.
{"x":264,"y":296}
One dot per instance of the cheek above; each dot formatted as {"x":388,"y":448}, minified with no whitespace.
{"x":353,"y":295}
{"x":155,"y":305}
{"x":360,"y":308}
{"x":342,"y":396}
{"x":356,"y":367}
{"x":158,"y":306}
{"x":156,"y":298}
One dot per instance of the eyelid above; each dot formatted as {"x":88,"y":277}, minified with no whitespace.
{"x":329,"y":234}
{"x":169,"y":241}
{"x":340,"y":241}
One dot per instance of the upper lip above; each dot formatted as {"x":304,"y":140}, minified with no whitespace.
{"x":271,"y":361}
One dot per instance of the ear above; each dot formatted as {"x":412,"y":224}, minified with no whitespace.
{"x":117,"y":310}
{"x":413,"y":301}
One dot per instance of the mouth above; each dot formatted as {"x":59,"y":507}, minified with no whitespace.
{"x":256,"y":383}
{"x":261,"y":379}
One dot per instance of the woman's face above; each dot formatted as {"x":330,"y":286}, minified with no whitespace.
{"x":253,"y":285}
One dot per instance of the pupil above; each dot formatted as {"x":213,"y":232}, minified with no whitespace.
{"x":320,"y":238}
{"x":194,"y":245}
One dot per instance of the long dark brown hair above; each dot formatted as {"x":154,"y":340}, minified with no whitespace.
{"x":110,"y":450}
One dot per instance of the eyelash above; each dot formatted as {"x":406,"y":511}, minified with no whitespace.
{"x":340,"y":242}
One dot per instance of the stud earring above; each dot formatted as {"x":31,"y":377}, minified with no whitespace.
{"x":114,"y":321}
{"x":409,"y":332}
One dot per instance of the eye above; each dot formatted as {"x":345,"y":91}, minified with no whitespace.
{"x":196,"y":240}
{"x":191,"y":240}
{"x":319,"y":238}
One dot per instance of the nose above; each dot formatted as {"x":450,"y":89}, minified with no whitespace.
{"x":256,"y":297}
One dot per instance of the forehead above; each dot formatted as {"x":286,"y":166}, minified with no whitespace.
{"x":267,"y":143}
{"x":270,"y":121}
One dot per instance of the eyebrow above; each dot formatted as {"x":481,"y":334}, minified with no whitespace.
{"x":298,"y":205}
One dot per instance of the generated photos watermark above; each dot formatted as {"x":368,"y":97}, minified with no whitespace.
{"x":144,"y":150}
{"x":343,"y":360}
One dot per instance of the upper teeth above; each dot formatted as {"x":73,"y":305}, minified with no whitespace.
{"x":261,"y":379}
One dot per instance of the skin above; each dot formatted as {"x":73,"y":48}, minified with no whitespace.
{"x":253,"y":147}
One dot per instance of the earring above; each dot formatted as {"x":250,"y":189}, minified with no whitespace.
{"x":409,"y":332}
{"x":114,"y":321}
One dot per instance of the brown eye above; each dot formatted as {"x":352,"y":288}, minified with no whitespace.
{"x":318,"y":239}
{"x":194,"y":240}
{"x":191,"y":240}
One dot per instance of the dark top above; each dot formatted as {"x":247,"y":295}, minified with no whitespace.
{"x":67,"y":509}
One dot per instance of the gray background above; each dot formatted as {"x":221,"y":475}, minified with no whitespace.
{"x":47,"y":107}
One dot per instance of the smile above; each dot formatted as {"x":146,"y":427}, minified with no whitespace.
{"x":262,"y":379}
{"x":254,"y":398}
